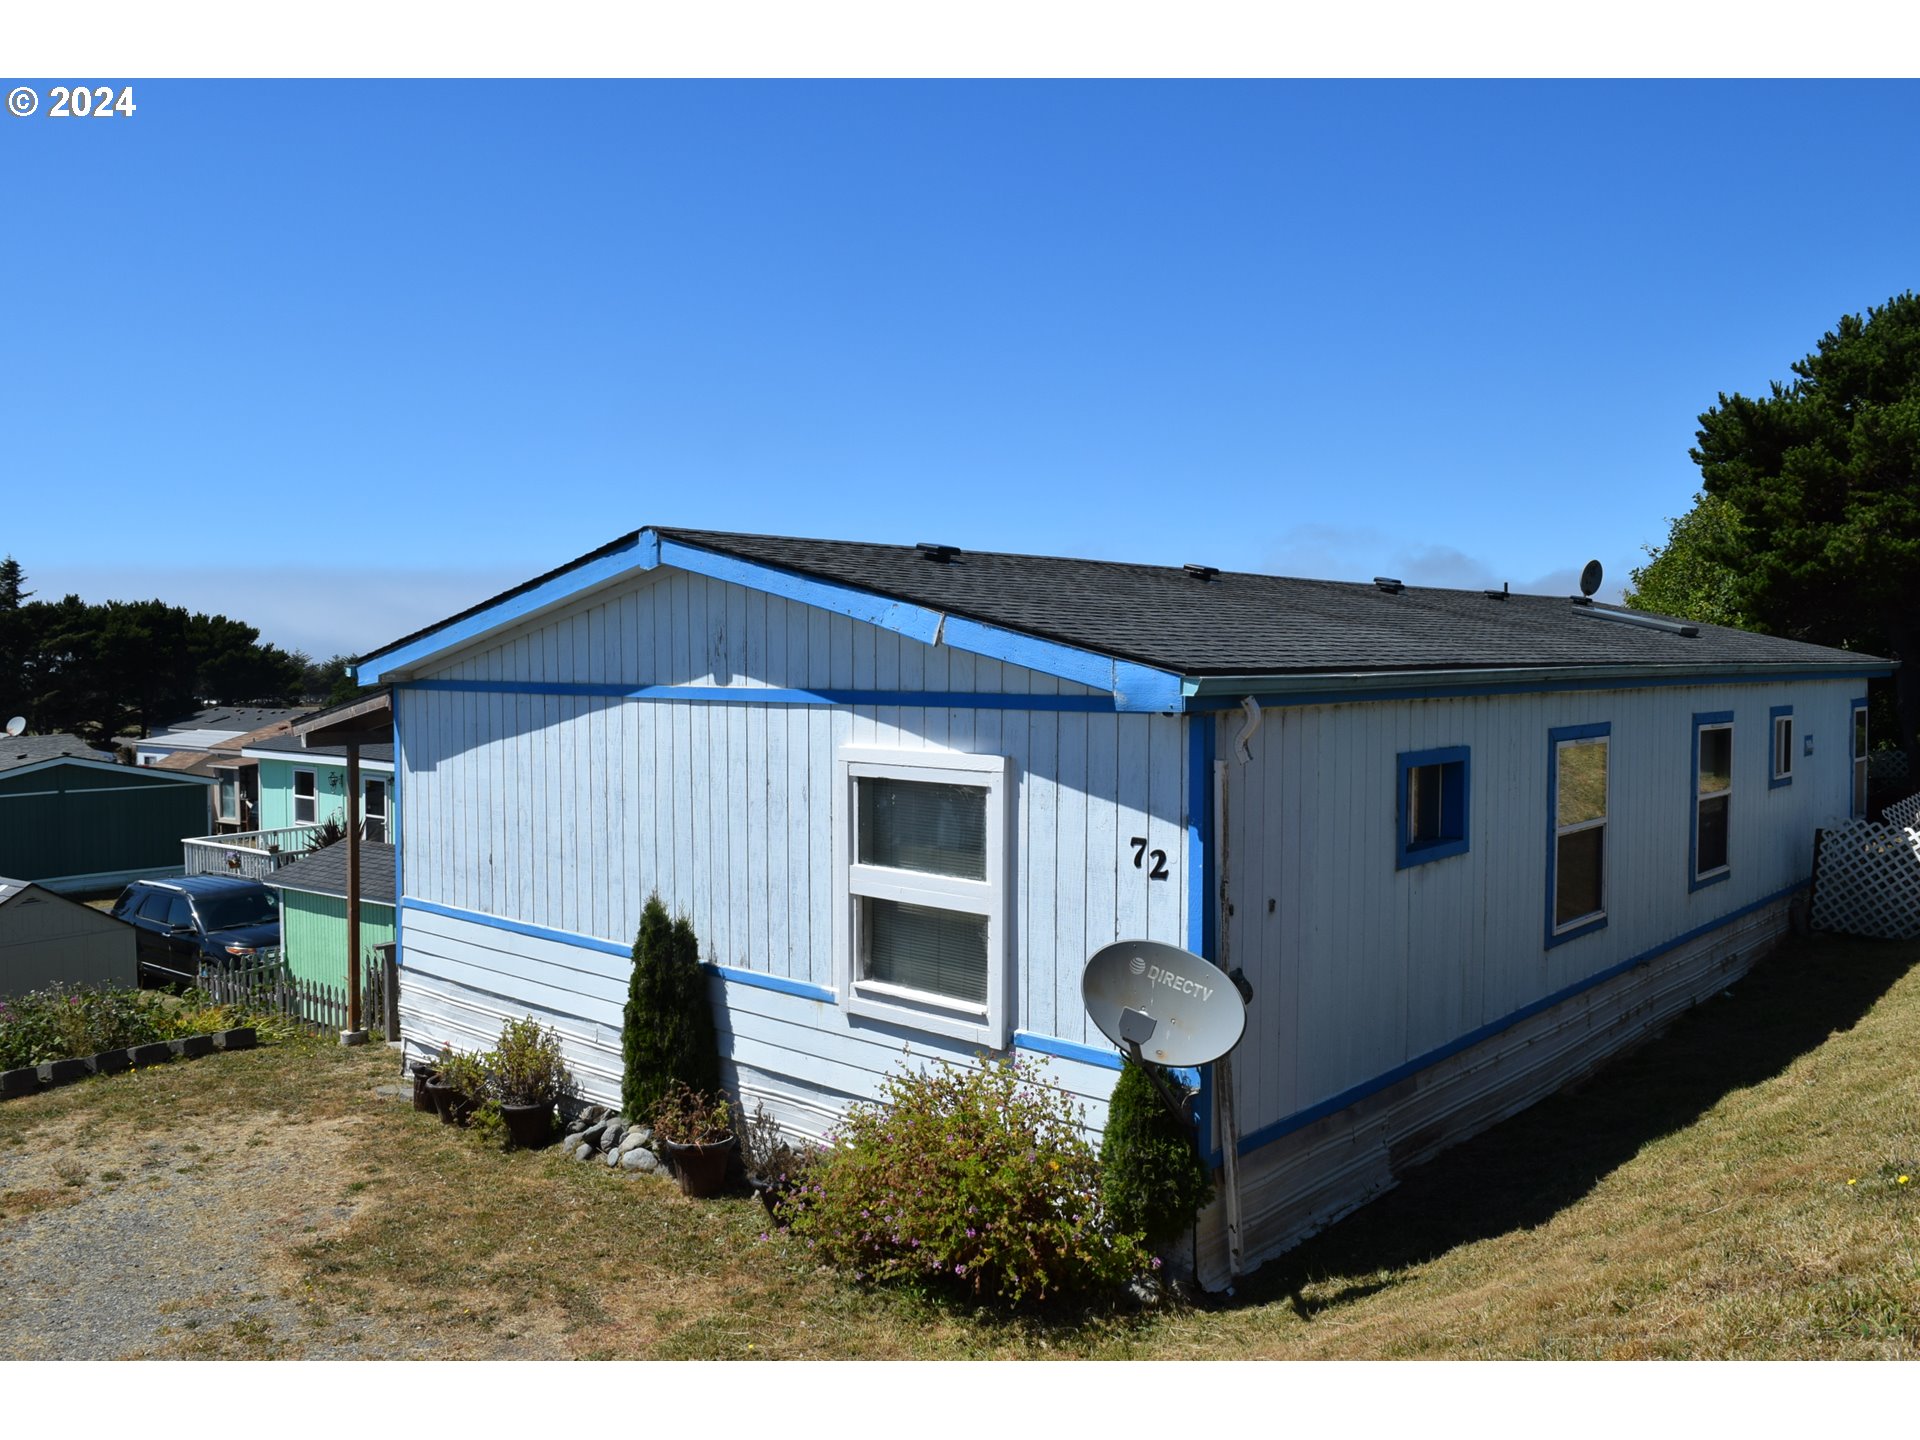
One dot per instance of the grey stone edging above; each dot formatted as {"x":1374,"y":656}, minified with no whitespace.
{"x":31,"y":1079}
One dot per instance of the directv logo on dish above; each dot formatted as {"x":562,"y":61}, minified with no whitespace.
{"x":1138,"y":965}
{"x":1160,"y":975}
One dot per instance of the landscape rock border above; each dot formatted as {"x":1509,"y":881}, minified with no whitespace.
{"x":598,"y":1134}
{"x":31,"y":1079}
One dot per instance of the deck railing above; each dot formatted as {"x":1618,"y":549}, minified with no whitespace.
{"x":252,"y":854}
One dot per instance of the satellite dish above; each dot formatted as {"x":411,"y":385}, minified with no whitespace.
{"x":1590,"y":578}
{"x":17,"y":725}
{"x":1161,"y":1003}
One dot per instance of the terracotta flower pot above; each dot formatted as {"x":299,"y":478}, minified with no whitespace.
{"x":528,"y":1126}
{"x":700,"y":1169}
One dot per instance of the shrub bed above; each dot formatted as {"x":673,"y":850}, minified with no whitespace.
{"x":974,"y":1180}
{"x":62,"y":1022}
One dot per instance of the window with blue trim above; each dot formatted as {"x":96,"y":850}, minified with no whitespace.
{"x":1577,"y":818}
{"x":1712,"y":798}
{"x":1780,"y":718}
{"x":1432,"y":805}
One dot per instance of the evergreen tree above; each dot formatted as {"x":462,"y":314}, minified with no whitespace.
{"x":667,"y":1032}
{"x":1152,"y":1181}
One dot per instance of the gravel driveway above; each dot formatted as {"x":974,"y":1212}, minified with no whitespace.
{"x":126,"y":1245}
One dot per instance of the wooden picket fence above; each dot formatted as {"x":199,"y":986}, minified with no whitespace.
{"x":269,"y":985}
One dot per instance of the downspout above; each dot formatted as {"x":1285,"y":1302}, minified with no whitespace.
{"x":1223,"y":1068}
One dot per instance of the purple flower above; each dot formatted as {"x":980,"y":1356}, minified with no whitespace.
{"x":959,"y":1269}
{"x":970,"y":1232}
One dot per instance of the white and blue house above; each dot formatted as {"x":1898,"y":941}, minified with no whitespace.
{"x":1462,"y":845}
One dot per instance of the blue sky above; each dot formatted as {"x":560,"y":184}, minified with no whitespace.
{"x":341,"y":358}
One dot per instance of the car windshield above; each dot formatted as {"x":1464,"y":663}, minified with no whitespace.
{"x":235,"y":912}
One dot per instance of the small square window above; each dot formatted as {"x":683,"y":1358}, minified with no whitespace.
{"x":1432,"y":805}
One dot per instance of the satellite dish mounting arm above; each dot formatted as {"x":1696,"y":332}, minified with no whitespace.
{"x":1135,"y":1027}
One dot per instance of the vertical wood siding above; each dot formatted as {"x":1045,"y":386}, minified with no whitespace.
{"x":564,"y":812}
{"x":1359,"y":968}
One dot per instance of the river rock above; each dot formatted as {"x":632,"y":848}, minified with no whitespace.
{"x":610,"y":1136}
{"x":584,"y":1152}
{"x":636,"y":1137}
{"x":640,"y":1158}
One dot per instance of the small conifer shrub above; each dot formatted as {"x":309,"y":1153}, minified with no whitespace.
{"x":667,"y":1034}
{"x":1152,"y":1181}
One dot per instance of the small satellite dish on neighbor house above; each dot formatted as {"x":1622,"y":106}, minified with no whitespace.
{"x":17,"y":725}
{"x":1162,"y":1004}
{"x":1590,"y":578}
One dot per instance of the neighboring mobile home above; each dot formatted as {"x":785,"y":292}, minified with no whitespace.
{"x":1462,"y":845}
{"x":313,"y":909}
{"x":73,"y":820}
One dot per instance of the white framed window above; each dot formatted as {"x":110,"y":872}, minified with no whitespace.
{"x":921,"y":875}
{"x":373,"y":810}
{"x":305,"y":798}
{"x":1577,"y":813}
{"x":1712,"y":798}
{"x":1858,"y":803}
{"x":1781,"y":719}
{"x":227,"y":794}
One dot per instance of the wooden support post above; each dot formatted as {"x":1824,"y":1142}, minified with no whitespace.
{"x":353,"y":891}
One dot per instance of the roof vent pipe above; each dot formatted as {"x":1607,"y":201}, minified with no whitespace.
{"x":939,"y":554}
{"x":1202,"y":572}
{"x":1646,"y":622}
{"x":1389,"y":584}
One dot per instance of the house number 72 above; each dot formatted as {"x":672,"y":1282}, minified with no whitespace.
{"x":1140,"y":853}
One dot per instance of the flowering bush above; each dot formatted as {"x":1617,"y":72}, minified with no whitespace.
{"x":969,"y":1178}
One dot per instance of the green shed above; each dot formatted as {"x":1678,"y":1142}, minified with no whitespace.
{"x":313,"y":909}
{"x":72,"y":820}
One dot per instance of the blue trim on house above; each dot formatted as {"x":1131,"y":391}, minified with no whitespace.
{"x":753,"y":978}
{"x":1456,"y":789}
{"x":639,"y":553}
{"x":1066,"y":1050}
{"x":1695,"y":880}
{"x":1774,"y":715}
{"x":1554,"y":737}
{"x":756,"y":695}
{"x":1136,"y":687}
{"x":1853,"y":708}
{"x":779,"y":984}
{"x":1627,"y":681}
{"x":1300,"y":1119}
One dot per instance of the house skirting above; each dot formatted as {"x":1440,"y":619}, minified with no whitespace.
{"x":1305,"y":1180}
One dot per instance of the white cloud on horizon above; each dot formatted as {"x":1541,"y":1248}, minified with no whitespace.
{"x":346,"y":611}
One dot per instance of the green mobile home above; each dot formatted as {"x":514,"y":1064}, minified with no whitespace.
{"x":299,"y":786}
{"x":313,"y":909}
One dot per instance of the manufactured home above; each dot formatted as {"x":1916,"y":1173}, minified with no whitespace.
{"x":1461,"y":845}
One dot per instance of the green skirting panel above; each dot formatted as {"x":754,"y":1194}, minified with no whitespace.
{"x":313,"y":931}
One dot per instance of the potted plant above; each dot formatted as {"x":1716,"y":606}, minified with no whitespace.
{"x":460,"y":1086}
{"x":423,"y":1072}
{"x":695,"y":1129}
{"x":772,"y":1165}
{"x":528,"y":1078}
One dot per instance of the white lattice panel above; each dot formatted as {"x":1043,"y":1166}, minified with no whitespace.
{"x":1888,"y":765}
{"x":1867,"y":881}
{"x":1904,"y":813}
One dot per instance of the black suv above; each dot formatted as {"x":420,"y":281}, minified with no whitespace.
{"x":199,"y":922}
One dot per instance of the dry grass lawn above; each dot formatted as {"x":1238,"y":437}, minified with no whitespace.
{"x":1693,"y":1200}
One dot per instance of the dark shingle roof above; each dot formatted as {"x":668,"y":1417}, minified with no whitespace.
{"x":18,"y":750}
{"x":292,"y":746}
{"x":1243,"y":624}
{"x":237,"y":719}
{"x":325,"y":872}
{"x":1233,"y":623}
